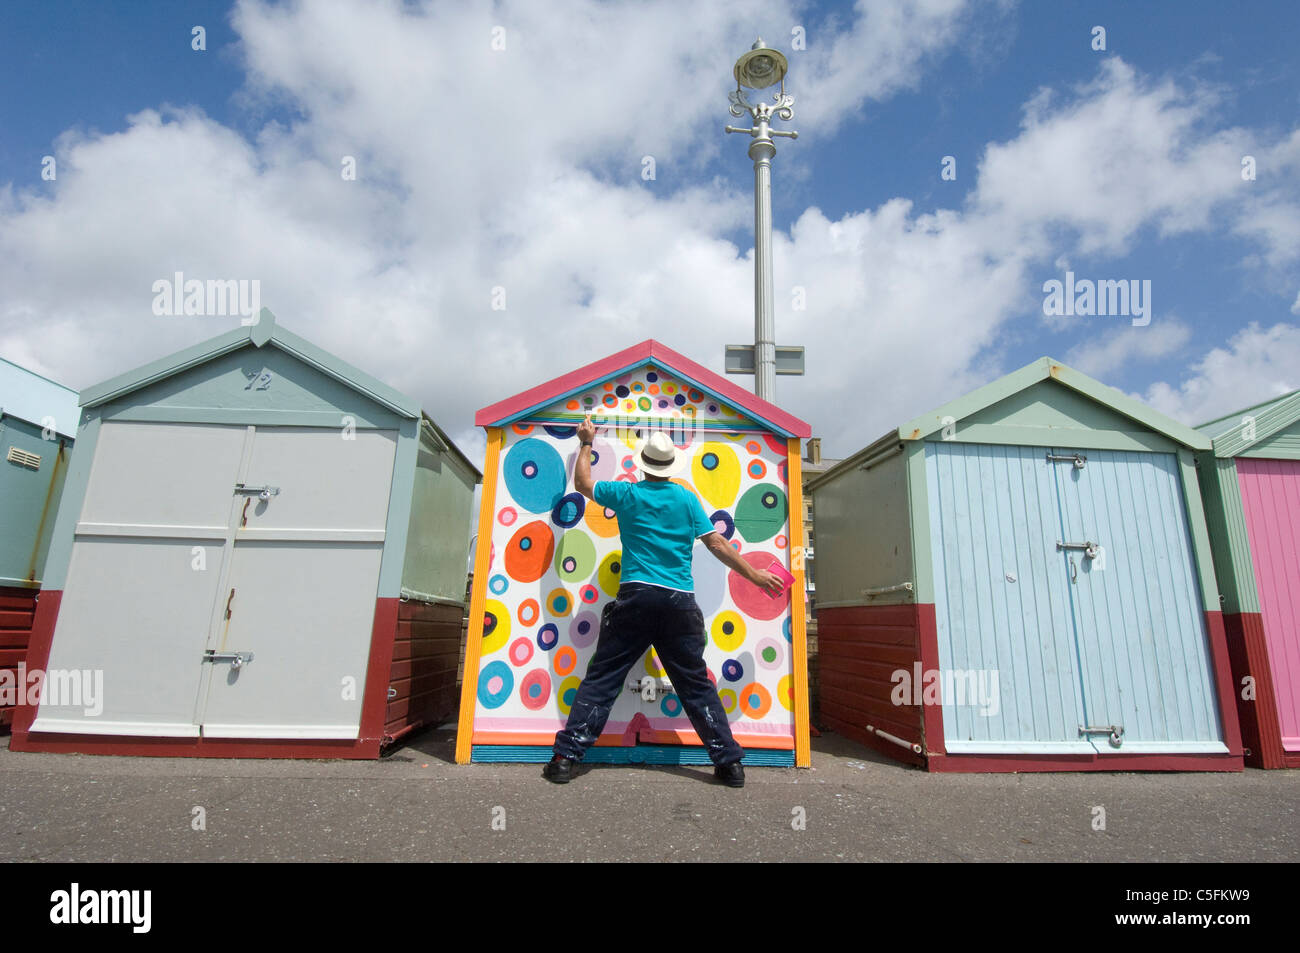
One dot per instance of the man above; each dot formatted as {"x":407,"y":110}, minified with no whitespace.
{"x":658,"y":523}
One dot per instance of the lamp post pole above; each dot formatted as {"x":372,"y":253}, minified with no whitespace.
{"x":765,"y":66}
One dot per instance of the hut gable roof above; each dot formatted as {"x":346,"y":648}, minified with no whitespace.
{"x":264,"y":332}
{"x":1045,"y":369}
{"x":1231,"y":436}
{"x":552,"y":397}
{"x":28,"y":396}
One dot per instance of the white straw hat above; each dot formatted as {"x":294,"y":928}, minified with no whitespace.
{"x":658,"y":456}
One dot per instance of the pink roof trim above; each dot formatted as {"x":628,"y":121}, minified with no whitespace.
{"x":503,"y":411}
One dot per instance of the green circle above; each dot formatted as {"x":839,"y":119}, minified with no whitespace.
{"x":761,"y":512}
{"x":575,"y":548}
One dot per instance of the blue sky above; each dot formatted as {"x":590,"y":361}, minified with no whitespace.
{"x":520,"y":168}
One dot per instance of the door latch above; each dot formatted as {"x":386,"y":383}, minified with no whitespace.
{"x":1090,"y":550}
{"x":1116,"y":733}
{"x":650,"y":688}
{"x":263,"y":493}
{"x":237,"y":660}
{"x":1078,"y":459}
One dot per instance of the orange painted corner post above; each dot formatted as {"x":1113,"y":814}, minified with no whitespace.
{"x":474,"y":638}
{"x":798,"y":594}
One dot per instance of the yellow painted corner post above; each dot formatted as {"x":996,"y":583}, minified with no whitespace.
{"x":474,"y":638}
{"x":798,"y":595}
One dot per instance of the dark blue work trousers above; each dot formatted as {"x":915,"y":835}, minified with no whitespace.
{"x":641,"y":616}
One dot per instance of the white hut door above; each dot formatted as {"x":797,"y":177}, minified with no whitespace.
{"x":291,"y":638}
{"x":1143,"y":649}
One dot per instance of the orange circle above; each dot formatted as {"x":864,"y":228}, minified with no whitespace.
{"x":653,"y":388}
{"x":754,"y":701}
{"x":572,"y":405}
{"x":565,"y":660}
{"x":528,"y":612}
{"x":600,"y":521}
{"x":529,"y":552}
{"x":521,"y":428}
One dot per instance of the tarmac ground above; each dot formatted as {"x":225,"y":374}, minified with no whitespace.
{"x":416,"y":804}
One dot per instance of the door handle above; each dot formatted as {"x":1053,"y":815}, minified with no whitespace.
{"x":263,"y":493}
{"x":1116,"y":733}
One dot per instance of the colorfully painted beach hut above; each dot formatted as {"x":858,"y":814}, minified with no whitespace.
{"x":1251,"y":484}
{"x":548,"y":562}
{"x":38,"y":422}
{"x":1021,"y":580}
{"x":260,"y":552}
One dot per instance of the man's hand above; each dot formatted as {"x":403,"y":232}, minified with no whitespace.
{"x":582,"y":481}
{"x":770,"y":582}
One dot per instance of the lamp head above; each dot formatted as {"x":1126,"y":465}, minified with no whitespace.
{"x":761,"y":67}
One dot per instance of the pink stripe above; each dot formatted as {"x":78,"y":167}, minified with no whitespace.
{"x":1270,"y":497}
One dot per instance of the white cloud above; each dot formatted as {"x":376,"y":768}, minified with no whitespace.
{"x":1257,"y":364}
{"x":1112,"y":348}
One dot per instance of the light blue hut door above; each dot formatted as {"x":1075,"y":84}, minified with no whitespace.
{"x":1006,"y":635}
{"x":1144,"y":661}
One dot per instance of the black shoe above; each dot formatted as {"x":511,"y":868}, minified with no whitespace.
{"x":732,"y":775}
{"x":560,"y":770}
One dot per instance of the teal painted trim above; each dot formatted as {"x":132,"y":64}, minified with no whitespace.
{"x":163,"y":368}
{"x":636,"y":754}
{"x":1269,"y":419}
{"x":749,"y":425}
{"x":1062,"y":437}
{"x":1201,"y":550}
{"x":920,"y":428}
{"x":1225,"y":518}
{"x":70,"y":504}
{"x":341,"y":370}
{"x":377,"y":419}
{"x":399,"y":509}
{"x":918,"y":503}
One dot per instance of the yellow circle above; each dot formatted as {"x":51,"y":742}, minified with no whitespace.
{"x":572,"y":682}
{"x":653,"y":665}
{"x":610,"y":572}
{"x":496,"y":639}
{"x":728,"y":699}
{"x":726,"y":640}
{"x":600,"y":524}
{"x":785,"y":692}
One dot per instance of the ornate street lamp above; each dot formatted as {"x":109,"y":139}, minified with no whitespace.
{"x":759,"y":69}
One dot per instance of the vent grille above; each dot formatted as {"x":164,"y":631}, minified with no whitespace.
{"x":21,"y":457}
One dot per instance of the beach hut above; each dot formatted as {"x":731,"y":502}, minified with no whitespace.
{"x":548,"y":561}
{"x":1021,"y":580}
{"x":1251,"y":483}
{"x":38,"y":421}
{"x":260,"y":552}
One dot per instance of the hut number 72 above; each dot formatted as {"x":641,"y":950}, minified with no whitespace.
{"x":258,"y":380}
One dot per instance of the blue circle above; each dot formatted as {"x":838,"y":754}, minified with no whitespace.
{"x":651,"y":376}
{"x":732,"y":670}
{"x":548,"y":636}
{"x":497,"y":669}
{"x":535,"y":475}
{"x":498,"y":584}
{"x":621,"y":390}
{"x":562,"y":432}
{"x":728,"y":524}
{"x":789,"y":636}
{"x":679,"y":400}
{"x":709,"y":461}
{"x":673,"y":710}
{"x":569,"y":510}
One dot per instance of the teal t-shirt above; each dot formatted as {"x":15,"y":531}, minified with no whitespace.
{"x":658,"y":523}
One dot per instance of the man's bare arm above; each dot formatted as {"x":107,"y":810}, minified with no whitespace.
{"x":729,"y":557}
{"x":582,"y":481}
